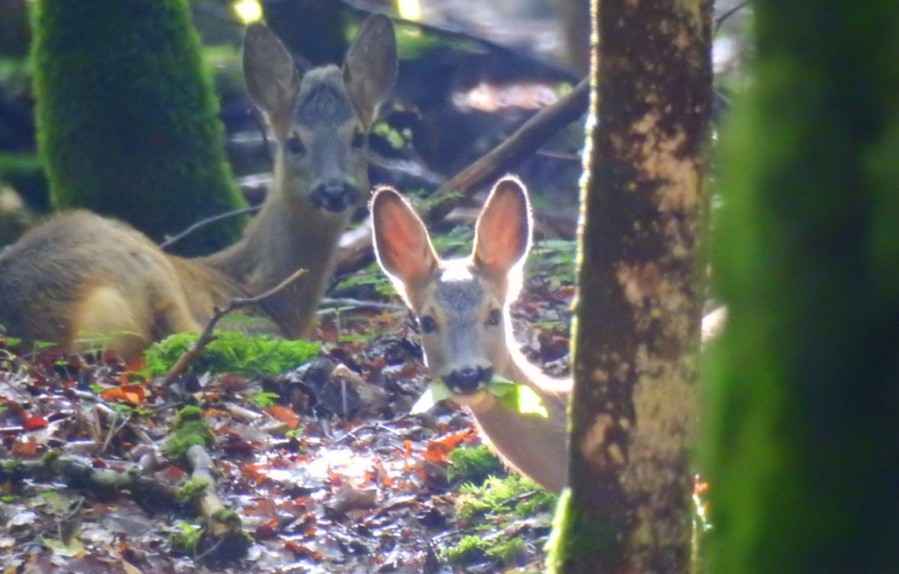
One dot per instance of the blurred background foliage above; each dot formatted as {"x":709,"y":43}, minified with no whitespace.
{"x":471,"y":73}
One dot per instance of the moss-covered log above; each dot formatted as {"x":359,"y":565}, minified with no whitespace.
{"x":803,"y":455}
{"x":639,"y":303}
{"x":127,"y":120}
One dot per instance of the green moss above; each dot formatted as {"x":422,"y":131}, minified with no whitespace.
{"x":193,"y":540}
{"x":187,"y":540}
{"x":472,"y":548}
{"x":512,"y":494}
{"x":472,"y":464}
{"x":188,"y":429}
{"x":232,"y":352}
{"x":800,"y":448}
{"x":574,"y":535}
{"x":192,"y":490}
{"x":127,"y":118}
{"x":468,"y":549}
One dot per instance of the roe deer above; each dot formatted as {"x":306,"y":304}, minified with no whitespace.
{"x":462,"y":307}
{"x":81,"y":273}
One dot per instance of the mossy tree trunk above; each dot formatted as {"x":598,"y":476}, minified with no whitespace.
{"x":803,"y":388}
{"x":127,"y":119}
{"x":639,"y":298}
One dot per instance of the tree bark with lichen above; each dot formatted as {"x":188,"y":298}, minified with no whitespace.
{"x":638,"y":313}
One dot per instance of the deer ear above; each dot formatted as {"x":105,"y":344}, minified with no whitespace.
{"x":270,"y":74}
{"x":370,"y":67}
{"x":401,"y":241}
{"x":503,"y":232}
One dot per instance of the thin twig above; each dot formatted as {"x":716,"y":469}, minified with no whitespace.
{"x":359,"y":304}
{"x":727,"y":14}
{"x":207,"y":335}
{"x":203,"y":222}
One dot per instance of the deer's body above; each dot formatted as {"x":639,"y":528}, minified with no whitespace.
{"x":463,"y":308}
{"x":81,"y":274}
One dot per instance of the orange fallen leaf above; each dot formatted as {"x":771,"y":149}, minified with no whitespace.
{"x":439,"y":448}
{"x":33,"y":422}
{"x":286,"y":415}
{"x":135,"y":395}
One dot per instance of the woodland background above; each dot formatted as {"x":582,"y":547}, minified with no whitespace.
{"x":323,"y":464}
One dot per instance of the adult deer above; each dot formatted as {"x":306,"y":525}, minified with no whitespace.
{"x":80,"y":273}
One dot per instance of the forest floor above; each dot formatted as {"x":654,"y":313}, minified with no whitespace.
{"x":322,"y":464}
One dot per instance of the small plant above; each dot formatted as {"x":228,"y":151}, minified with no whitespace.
{"x":370,"y":277}
{"x":555,"y":259}
{"x":477,"y":548}
{"x":232,"y":352}
{"x":512,"y":494}
{"x":186,"y":540}
{"x":265,"y":399}
{"x":468,"y":549}
{"x":188,"y":429}
{"x":472,"y":464}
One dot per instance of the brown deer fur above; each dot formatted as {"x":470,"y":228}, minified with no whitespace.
{"x":81,"y":274}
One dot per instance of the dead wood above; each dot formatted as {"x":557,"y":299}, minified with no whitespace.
{"x":525,"y":141}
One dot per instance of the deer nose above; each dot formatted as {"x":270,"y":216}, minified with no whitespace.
{"x":469,"y":379}
{"x":334,"y":195}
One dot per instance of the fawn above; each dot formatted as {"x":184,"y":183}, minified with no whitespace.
{"x":462,"y":307}
{"x":81,"y":273}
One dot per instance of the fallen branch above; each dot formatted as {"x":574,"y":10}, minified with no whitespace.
{"x":207,"y":336}
{"x":222,"y":533}
{"x":526,"y":140}
{"x":100,"y":483}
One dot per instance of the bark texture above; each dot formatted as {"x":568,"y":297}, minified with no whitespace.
{"x":803,"y":388}
{"x":639,"y":299}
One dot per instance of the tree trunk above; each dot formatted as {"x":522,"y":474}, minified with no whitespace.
{"x":639,"y":297}
{"x":803,"y":389}
{"x":127,"y":119}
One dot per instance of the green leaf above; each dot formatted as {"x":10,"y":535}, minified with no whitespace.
{"x":435,"y":393}
{"x":73,"y":547}
{"x":517,"y":397}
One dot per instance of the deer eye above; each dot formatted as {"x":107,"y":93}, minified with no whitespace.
{"x":358,"y":139}
{"x":428,"y":324}
{"x":295,"y":146}
{"x":495,"y":317}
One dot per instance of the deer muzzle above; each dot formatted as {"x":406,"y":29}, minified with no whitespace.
{"x":468,"y":380}
{"x":334,"y":195}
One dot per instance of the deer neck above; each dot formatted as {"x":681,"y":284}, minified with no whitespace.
{"x":513,"y":365}
{"x":285,"y":236}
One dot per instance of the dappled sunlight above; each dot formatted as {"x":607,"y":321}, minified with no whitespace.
{"x":248,"y":11}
